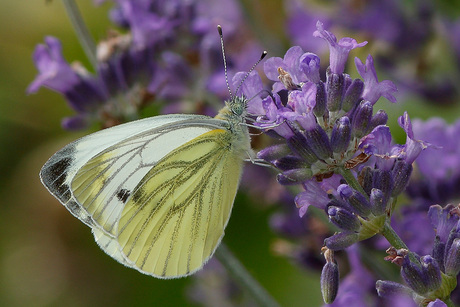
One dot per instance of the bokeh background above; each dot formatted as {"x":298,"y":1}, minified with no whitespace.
{"x":48,"y":258}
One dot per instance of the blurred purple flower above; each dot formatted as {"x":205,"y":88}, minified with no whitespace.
{"x":301,"y":22}
{"x":438,"y":180}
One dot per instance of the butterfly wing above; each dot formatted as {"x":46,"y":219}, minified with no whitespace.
{"x":176,"y":216}
{"x":59,"y":172}
{"x":134,"y":186}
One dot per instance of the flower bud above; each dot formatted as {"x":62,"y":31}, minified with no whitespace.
{"x":438,"y":252}
{"x":361,"y":119}
{"x":298,"y":143}
{"x":335,"y":90}
{"x":353,"y":95}
{"x":401,"y":172}
{"x":320,"y":107}
{"x":274,"y":152}
{"x":318,"y":141}
{"x":414,"y":275}
{"x":365,"y":179}
{"x":383,"y":181}
{"x":378,"y":203}
{"x":341,"y":240}
{"x":329,"y":278}
{"x":452,"y":263}
{"x":341,"y":135}
{"x":343,"y":218}
{"x":432,"y":272}
{"x":294,"y":176}
{"x":356,"y":200}
{"x":388,"y":289}
{"x":289,"y":162}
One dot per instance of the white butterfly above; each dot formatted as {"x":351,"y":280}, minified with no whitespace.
{"x":157,"y":192}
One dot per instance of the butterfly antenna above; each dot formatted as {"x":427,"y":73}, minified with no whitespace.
{"x":262,"y":56}
{"x":219,"y":29}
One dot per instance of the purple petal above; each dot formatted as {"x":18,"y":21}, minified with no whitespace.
{"x":291,"y":59}
{"x":310,"y":65}
{"x":373,"y":89}
{"x":271,"y":67}
{"x":338,"y":50}
{"x":303,"y":101}
{"x":314,"y":195}
{"x":54,"y":72}
{"x":250,"y":88}
{"x":443,"y":220}
{"x":413,"y":147}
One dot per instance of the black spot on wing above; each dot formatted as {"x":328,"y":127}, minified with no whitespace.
{"x":54,"y":175}
{"x":123,"y":195}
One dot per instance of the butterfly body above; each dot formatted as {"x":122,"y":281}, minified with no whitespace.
{"x":157,"y":192}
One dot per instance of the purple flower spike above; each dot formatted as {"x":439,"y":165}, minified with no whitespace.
{"x":373,"y":89}
{"x":338,"y":50}
{"x":54,"y":71}
{"x":146,"y":27}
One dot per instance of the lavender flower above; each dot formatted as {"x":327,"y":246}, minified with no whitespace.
{"x":345,"y":136}
{"x":433,"y":277}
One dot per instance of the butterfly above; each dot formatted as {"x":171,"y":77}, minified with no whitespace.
{"x":157,"y":193}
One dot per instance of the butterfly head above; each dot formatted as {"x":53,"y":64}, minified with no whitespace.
{"x":234,"y":110}
{"x":237,"y":105}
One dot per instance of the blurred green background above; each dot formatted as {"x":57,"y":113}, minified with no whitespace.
{"x":49,"y":258}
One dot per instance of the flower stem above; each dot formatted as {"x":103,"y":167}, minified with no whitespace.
{"x":85,"y":38}
{"x":392,"y":237}
{"x":243,"y":278}
{"x":351,"y":180}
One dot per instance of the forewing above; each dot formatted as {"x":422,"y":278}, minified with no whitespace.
{"x":94,"y":175}
{"x":176,"y":217}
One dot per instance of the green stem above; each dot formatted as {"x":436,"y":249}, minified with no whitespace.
{"x":395,"y":241}
{"x":392,"y":237}
{"x":449,"y":302}
{"x":85,"y":38}
{"x":351,"y":180}
{"x":243,"y":278}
